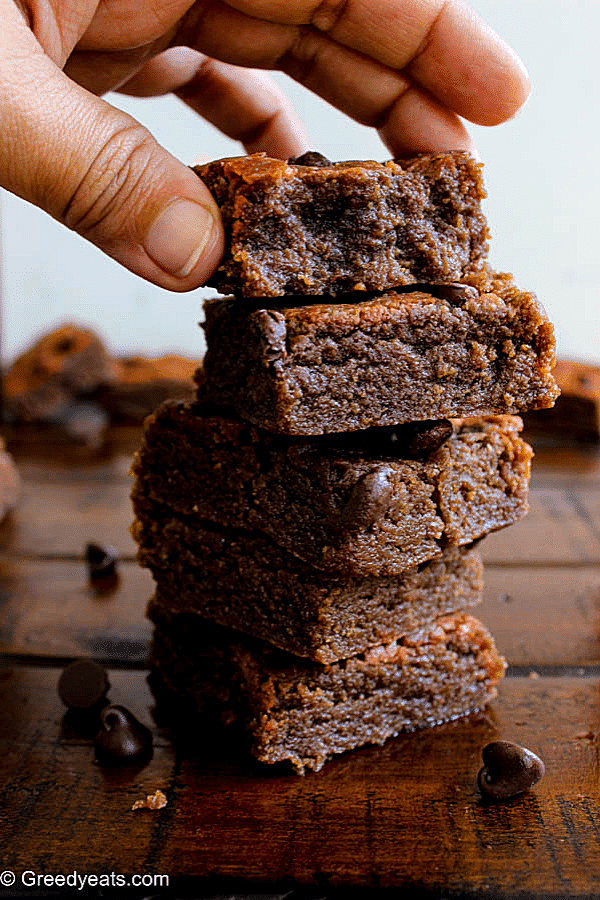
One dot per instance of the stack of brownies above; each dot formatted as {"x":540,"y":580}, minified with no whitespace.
{"x":310,"y":519}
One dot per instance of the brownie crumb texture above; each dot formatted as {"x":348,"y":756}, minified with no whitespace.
{"x":403,"y":356}
{"x":294,"y":228}
{"x":302,"y":714}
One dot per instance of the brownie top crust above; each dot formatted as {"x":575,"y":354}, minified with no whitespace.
{"x":324,"y":228}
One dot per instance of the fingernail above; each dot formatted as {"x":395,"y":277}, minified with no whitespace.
{"x":180,"y":235}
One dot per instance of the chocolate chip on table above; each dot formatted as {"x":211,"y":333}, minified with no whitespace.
{"x":369,"y":499}
{"x":508,"y":770}
{"x":83,"y":684}
{"x":121,"y":739}
{"x":102,"y":561}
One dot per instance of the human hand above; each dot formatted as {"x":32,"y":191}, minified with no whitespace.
{"x":410,"y":68}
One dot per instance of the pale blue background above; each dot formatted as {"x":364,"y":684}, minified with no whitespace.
{"x":541,"y":174}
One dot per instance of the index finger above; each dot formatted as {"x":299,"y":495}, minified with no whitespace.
{"x":442,"y":44}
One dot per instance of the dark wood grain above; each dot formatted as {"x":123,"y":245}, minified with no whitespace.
{"x":404,"y":816}
{"x":49,"y":608}
{"x":539,"y":615}
{"x":542,"y":615}
{"x":59,"y":810}
{"x":561,"y":527}
{"x":57,"y":518}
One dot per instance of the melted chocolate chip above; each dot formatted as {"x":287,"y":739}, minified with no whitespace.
{"x":102,"y":561}
{"x":121,"y":739}
{"x":273,"y":331}
{"x":369,"y":500}
{"x":427,"y":437}
{"x":412,"y":440}
{"x":311,"y":158}
{"x":508,"y":770}
{"x":83,"y":684}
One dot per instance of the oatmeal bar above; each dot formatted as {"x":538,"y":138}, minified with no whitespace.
{"x":243,"y":580}
{"x":68,"y":363}
{"x":576,"y":415}
{"x":444,"y":351}
{"x":309,"y":226}
{"x":302,"y":712}
{"x":355,"y":503}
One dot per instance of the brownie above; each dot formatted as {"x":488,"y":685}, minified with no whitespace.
{"x":302,"y":712}
{"x":69,"y":362}
{"x":10,"y":481}
{"x":329,"y":227}
{"x":576,"y":415}
{"x":354,"y":503}
{"x":443,"y":351}
{"x":245,"y":581}
{"x":138,"y":385}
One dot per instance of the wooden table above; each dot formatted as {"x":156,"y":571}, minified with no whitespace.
{"x":405,"y":815}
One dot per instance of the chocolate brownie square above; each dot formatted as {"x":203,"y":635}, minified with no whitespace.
{"x":244,"y":580}
{"x":139,"y":384}
{"x":477,"y":348}
{"x":375,"y":502}
{"x":10,"y":481}
{"x":303,"y":713}
{"x":320,"y":227}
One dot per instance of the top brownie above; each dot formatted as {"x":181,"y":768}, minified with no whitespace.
{"x":309,"y":226}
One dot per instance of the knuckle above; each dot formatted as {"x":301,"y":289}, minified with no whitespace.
{"x":113,"y":183}
{"x":328,"y":13}
{"x":303,"y":58}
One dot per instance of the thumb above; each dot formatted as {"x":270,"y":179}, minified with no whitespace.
{"x":100,"y":172}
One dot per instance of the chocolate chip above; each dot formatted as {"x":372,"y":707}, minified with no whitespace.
{"x":121,"y":739}
{"x":273,"y":330}
{"x":311,"y":158}
{"x":508,"y":770}
{"x":64,"y":345}
{"x":424,"y":438}
{"x":453,"y":292}
{"x":369,"y":499}
{"x":102,"y":561}
{"x":82,"y":684}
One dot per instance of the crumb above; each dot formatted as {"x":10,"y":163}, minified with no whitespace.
{"x":157,"y":800}
{"x":534,"y":675}
{"x":588,"y":735}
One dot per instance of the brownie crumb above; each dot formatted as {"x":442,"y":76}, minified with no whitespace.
{"x":157,"y":800}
